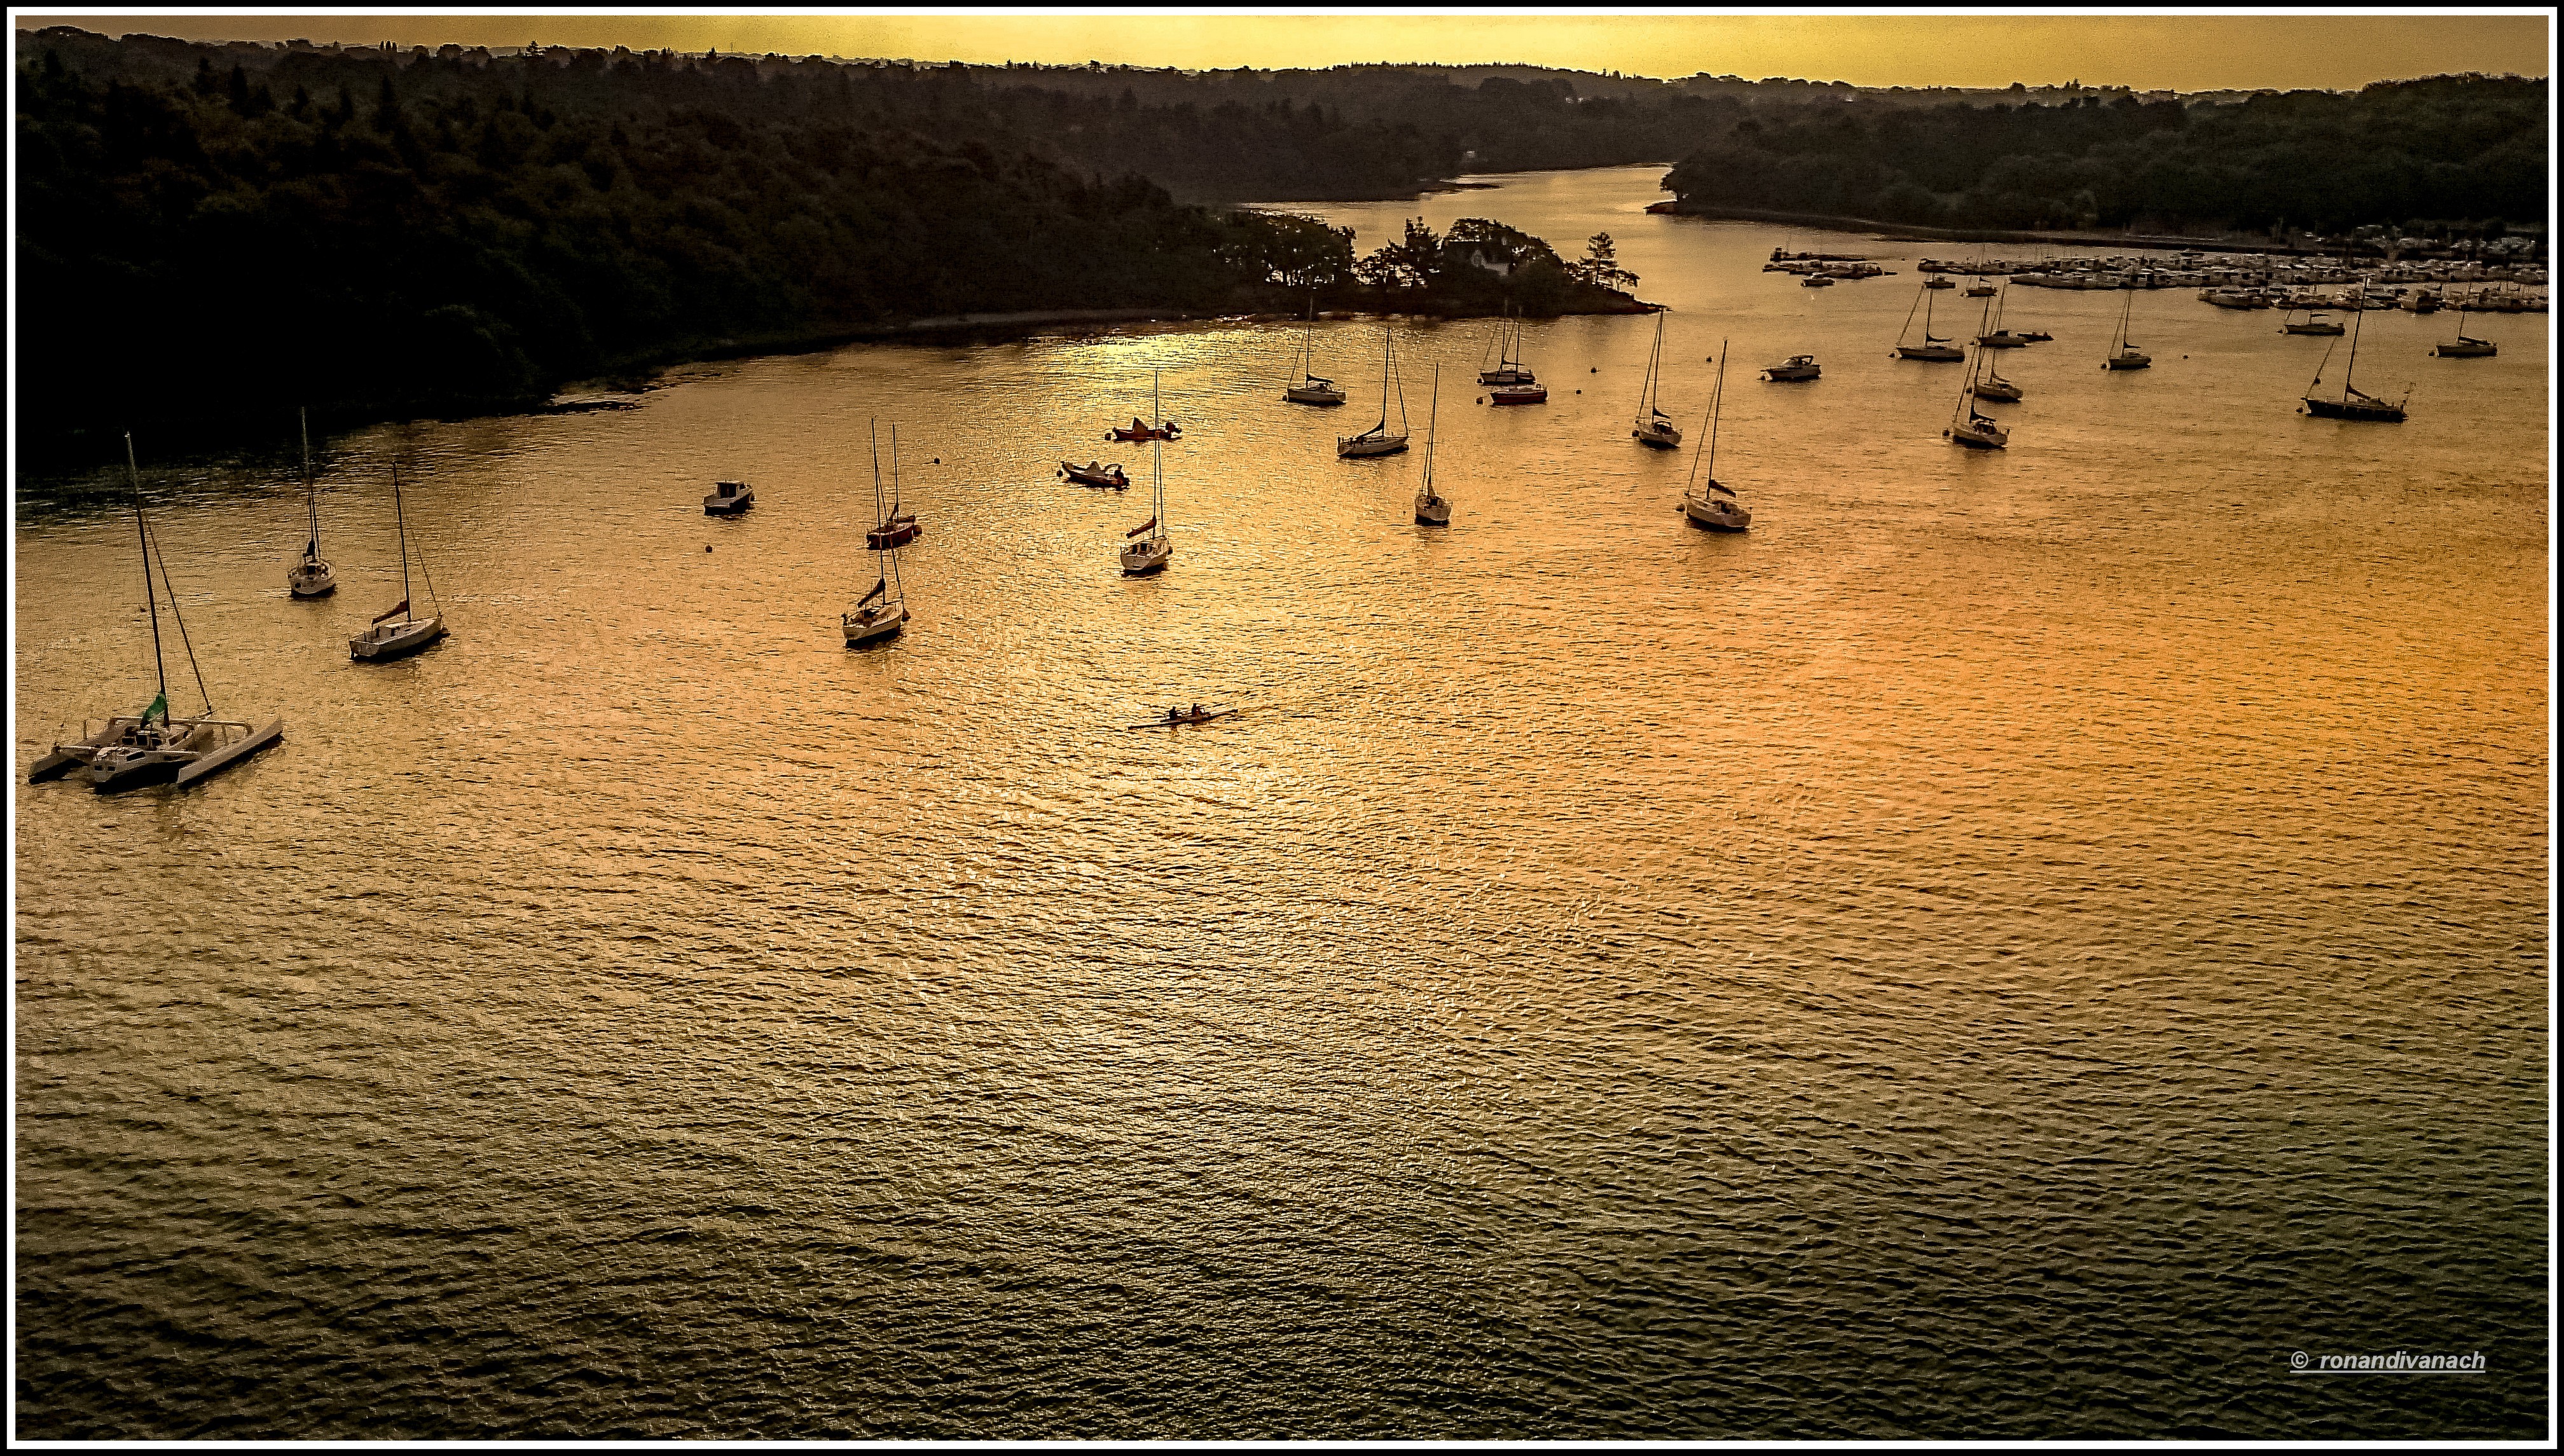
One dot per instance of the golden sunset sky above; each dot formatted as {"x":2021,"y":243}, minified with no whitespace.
{"x":2184,"y":51}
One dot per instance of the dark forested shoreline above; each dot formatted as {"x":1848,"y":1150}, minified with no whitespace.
{"x":381,"y":235}
{"x":210,"y":235}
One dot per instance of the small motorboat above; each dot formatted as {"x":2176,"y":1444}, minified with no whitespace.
{"x":1816,"y":280}
{"x":1980,"y":291}
{"x":1798,"y":367}
{"x":2035,"y":335}
{"x":1183,"y":717}
{"x":728,"y":498}
{"x":2003,"y":338}
{"x":1140,"y":430}
{"x":899,"y":530}
{"x":1939,"y":283}
{"x":1102,"y":477}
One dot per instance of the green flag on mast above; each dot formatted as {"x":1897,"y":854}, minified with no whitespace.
{"x":159,"y":707}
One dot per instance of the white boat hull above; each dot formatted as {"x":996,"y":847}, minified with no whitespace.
{"x":1981,"y":437}
{"x":1142,"y":557}
{"x":2129,"y":361}
{"x":1661,"y":436}
{"x":385,"y":641}
{"x":1360,"y":446}
{"x":1431,"y":510}
{"x":311,"y":579}
{"x":875,"y":625}
{"x":1930,"y":353}
{"x":1716,"y":513}
{"x":1313,"y":394}
{"x":1791,"y":373}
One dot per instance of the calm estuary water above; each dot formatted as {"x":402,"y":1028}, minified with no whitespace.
{"x":2019,"y":943}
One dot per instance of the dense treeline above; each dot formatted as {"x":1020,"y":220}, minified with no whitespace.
{"x":2447,"y":147}
{"x":373,"y":233}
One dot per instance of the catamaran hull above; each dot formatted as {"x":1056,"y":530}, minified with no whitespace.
{"x":68,"y":756}
{"x":415,"y":636}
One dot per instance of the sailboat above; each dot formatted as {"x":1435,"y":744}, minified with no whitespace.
{"x":397,"y":633}
{"x":2354,"y":404}
{"x":1430,"y":508}
{"x":2315,"y":323}
{"x":2124,"y":354}
{"x":1967,"y":425}
{"x":2000,"y":338}
{"x":152,"y":747}
{"x":311,"y":575}
{"x":1932,"y":349}
{"x":1145,"y":548}
{"x":1508,"y":370}
{"x":1311,"y":389}
{"x":898,"y":527}
{"x":1652,"y":426}
{"x":2467,"y":347}
{"x":883,"y":611}
{"x":1522,"y":388}
{"x":1378,"y":440}
{"x":1713,"y":505}
{"x":1983,"y":382}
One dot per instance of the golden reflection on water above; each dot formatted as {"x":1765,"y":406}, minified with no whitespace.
{"x":2008,"y":913}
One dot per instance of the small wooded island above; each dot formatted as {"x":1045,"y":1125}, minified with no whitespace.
{"x":212,"y":233}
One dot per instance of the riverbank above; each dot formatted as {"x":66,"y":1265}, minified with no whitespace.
{"x":618,"y":381}
{"x":1914,"y":233}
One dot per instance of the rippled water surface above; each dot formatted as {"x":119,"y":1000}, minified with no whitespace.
{"x":2019,"y":943}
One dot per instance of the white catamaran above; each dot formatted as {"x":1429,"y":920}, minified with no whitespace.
{"x":398,"y":632}
{"x":1652,"y":426}
{"x":882,"y":611}
{"x":1713,"y":505}
{"x":1378,"y":440}
{"x":152,"y":747}
{"x":1145,"y":548}
{"x":1431,"y":508}
{"x":311,"y":575}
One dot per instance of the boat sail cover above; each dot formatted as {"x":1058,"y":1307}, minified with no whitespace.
{"x":1722,"y":490}
{"x":879,"y":587}
{"x":1143,"y":529}
{"x":397,"y":609}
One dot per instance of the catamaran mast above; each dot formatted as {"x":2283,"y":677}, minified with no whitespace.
{"x":151,"y":601}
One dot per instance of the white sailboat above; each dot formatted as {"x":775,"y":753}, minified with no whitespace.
{"x":2465,"y":346}
{"x":1652,"y":426}
{"x":311,"y":576}
{"x":397,"y":632}
{"x":1984,"y":382}
{"x":1431,"y":508}
{"x":152,"y":747}
{"x":1508,"y":370}
{"x":880,"y":612}
{"x":1970,"y":427}
{"x":1515,"y":383}
{"x":1378,"y":440}
{"x":1311,"y":388}
{"x":1933,"y":350}
{"x":2124,"y":354}
{"x":1145,"y":548}
{"x":2000,"y":338}
{"x":1713,"y":505}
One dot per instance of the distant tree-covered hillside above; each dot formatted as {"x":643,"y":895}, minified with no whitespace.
{"x":375,"y":233}
{"x":2447,"y":147}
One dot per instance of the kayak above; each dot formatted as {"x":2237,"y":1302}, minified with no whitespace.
{"x":1205,"y":716}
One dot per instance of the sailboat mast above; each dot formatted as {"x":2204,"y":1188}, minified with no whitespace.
{"x":881,"y":572}
{"x":151,"y":601}
{"x":1157,"y":459}
{"x":1717,"y":397}
{"x":1432,"y":418}
{"x":310,"y":493}
{"x":2347,"y":368}
{"x":400,"y":522}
